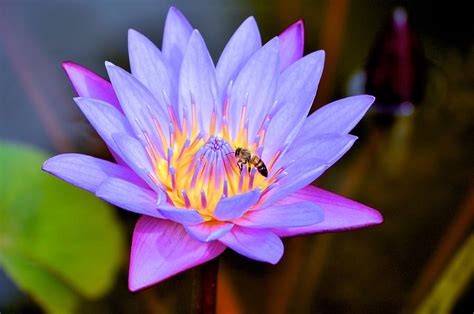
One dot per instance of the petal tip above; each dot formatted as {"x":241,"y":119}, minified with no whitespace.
{"x":318,"y":56}
{"x":364,"y":101}
{"x":378,"y":218}
{"x":132,"y":33}
{"x":372,"y":218}
{"x":175,"y":13}
{"x":250,"y":20}
{"x":352,"y":137}
{"x":134,"y":285}
{"x":51,"y":164}
{"x":366,"y":98}
{"x":372,"y":99}
{"x":195,"y":34}
{"x":174,"y":10}
{"x":46,"y":165}
{"x":109,"y":65}
{"x":68,"y":65}
{"x":298,"y":27}
{"x":277,"y":257}
{"x":73,"y":70}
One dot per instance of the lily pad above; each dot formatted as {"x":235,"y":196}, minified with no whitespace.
{"x":57,"y":242}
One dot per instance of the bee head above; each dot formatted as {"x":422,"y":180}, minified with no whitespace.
{"x":237,"y":151}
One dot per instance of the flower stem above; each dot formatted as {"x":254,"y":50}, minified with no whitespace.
{"x":205,"y":288}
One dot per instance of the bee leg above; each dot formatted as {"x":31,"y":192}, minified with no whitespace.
{"x":239,"y":163}
{"x":249,"y":168}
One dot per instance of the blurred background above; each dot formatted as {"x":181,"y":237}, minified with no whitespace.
{"x":63,"y":251}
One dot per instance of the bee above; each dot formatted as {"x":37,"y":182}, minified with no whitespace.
{"x":247,"y":158}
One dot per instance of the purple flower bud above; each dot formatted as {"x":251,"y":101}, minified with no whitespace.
{"x":396,"y":68}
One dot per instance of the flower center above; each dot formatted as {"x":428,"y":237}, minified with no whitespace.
{"x":206,"y":172}
{"x":197,"y":170}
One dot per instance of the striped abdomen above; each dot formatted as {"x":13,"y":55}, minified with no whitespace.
{"x":258,"y":163}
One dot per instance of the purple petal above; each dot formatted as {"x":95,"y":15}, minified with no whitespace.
{"x":209,"y":231}
{"x":88,"y":84}
{"x":136,"y":158}
{"x":340,"y":213}
{"x":175,"y":39}
{"x":299,"y":174}
{"x":140,"y":106}
{"x":258,"y":244}
{"x":339,"y":116}
{"x":283,"y":214}
{"x":299,"y":83}
{"x":161,"y":249}
{"x":241,"y":46}
{"x":184,"y":216}
{"x":128,"y":196}
{"x":105,"y":119}
{"x":296,"y":90}
{"x":327,"y":147}
{"x":255,"y":87}
{"x":291,"y":44}
{"x":230,"y":208}
{"x":197,"y":82}
{"x":282,"y":128}
{"x":87,"y":172}
{"x":148,"y":66}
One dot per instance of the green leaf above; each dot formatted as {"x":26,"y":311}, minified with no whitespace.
{"x":51,"y":292}
{"x":54,"y":236}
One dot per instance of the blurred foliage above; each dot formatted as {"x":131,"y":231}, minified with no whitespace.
{"x":452,"y":282}
{"x":57,"y":242}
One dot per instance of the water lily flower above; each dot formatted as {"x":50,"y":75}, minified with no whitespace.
{"x":173,"y":126}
